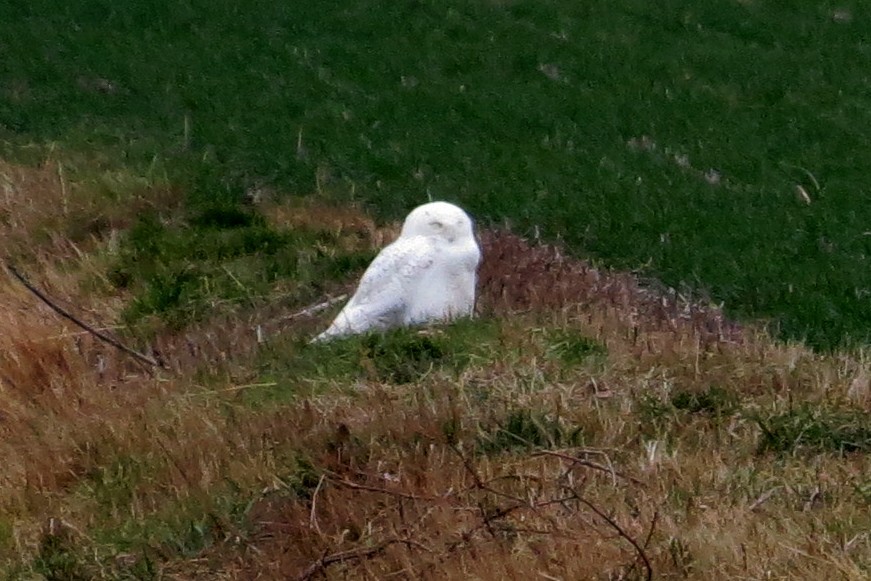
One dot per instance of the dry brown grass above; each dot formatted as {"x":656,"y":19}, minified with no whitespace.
{"x":107,"y":465}
{"x":67,"y":206}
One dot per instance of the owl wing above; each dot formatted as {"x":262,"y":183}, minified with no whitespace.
{"x":385,"y":290}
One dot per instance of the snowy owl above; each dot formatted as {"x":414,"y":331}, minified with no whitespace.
{"x":427,"y":274}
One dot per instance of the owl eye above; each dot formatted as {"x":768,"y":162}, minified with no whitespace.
{"x":436,"y":224}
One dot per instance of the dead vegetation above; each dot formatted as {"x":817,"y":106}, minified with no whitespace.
{"x":586,"y":426}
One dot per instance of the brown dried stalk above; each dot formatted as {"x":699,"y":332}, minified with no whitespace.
{"x":314,"y":309}
{"x":642,"y":554}
{"x":589,"y":464}
{"x":348,"y":484}
{"x":326,"y":560}
{"x":70,"y":317}
{"x":490,"y":522}
{"x":520,"y":503}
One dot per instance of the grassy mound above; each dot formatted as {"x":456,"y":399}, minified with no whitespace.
{"x":584,"y":426}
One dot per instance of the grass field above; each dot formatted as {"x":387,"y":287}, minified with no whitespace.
{"x":668,"y":138}
{"x":581,"y":427}
{"x":190,"y":176}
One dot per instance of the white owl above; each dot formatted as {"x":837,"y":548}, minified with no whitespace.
{"x":428,"y":274}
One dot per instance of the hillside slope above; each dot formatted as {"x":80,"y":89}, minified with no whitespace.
{"x":583,"y":426}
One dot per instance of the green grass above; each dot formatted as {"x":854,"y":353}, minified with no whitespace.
{"x":131,"y":547}
{"x":398,"y":357}
{"x":222,"y":256}
{"x":122,"y":544}
{"x":572,"y":348}
{"x":659,"y":413}
{"x":526,"y":429}
{"x":815,"y":429}
{"x":519,"y":110}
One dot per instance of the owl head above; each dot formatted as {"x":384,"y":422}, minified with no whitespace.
{"x":439,"y":219}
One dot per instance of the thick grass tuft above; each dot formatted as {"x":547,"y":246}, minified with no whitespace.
{"x":397,"y":356}
{"x":714,"y":401}
{"x":815,"y":429}
{"x":59,"y":558}
{"x":572,"y":348}
{"x":525,"y":429}
{"x":682,"y":405}
{"x":227,"y":258}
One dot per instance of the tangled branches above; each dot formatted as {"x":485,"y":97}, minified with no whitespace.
{"x":497,"y":509}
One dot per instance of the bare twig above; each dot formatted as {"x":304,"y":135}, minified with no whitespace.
{"x":321,"y":564}
{"x":488,"y":518}
{"x":232,"y":388}
{"x":174,"y":462}
{"x":479,"y":482}
{"x":65,"y":314}
{"x":313,"y":518}
{"x":596,"y":466}
{"x":652,"y":528}
{"x":638,"y":548}
{"x":468,"y":466}
{"x":355,"y":486}
{"x":647,"y":539}
{"x":763,"y":498}
{"x":314,"y":309}
{"x":590,"y":464}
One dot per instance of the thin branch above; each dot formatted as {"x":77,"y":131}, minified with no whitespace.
{"x":488,"y":519}
{"x":65,"y":314}
{"x":763,"y":498}
{"x":652,"y":528}
{"x":313,"y":518}
{"x":174,"y":462}
{"x":321,"y":564}
{"x":479,"y":483}
{"x":590,"y":464}
{"x":647,"y":539}
{"x":355,"y":486}
{"x":232,"y":388}
{"x":544,"y":532}
{"x":468,"y":466}
{"x":638,"y":548}
{"x":314,"y":309}
{"x":575,"y":459}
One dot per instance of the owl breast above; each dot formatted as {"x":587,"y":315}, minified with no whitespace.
{"x":447,"y":289}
